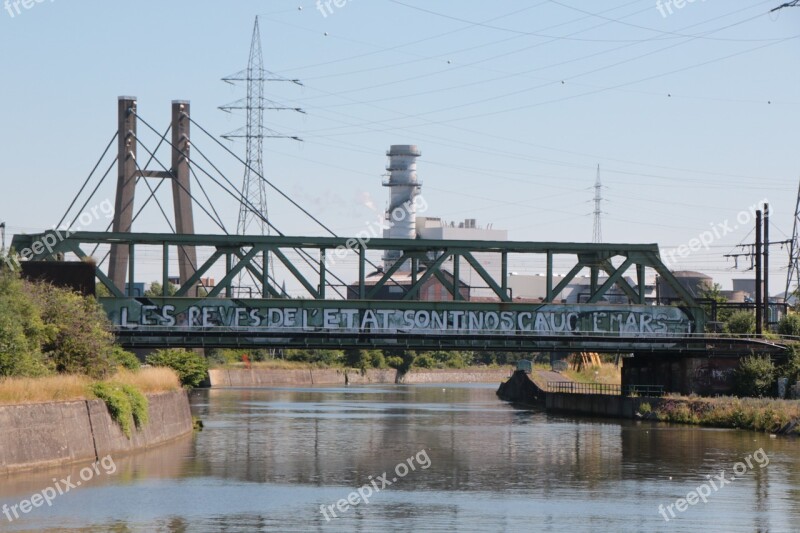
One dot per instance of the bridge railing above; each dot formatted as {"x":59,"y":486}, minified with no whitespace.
{"x":568,"y":387}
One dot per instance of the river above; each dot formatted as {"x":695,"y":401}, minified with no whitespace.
{"x":455,"y":458}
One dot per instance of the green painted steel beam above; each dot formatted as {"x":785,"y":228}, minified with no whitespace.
{"x":500,"y":290}
{"x":432,"y":267}
{"x":420,"y":245}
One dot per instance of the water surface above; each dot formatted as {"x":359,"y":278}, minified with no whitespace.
{"x":269,"y":459}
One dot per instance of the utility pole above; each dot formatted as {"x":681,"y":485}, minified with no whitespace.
{"x":759,"y":314}
{"x":759,"y":255}
{"x":766,"y":265}
{"x":3,"y":237}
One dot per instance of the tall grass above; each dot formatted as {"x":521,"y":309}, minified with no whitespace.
{"x":67,"y":387}
{"x":147,"y":380}
{"x":606,"y":373}
{"x":47,"y":389}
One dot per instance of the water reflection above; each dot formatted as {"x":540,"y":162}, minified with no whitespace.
{"x":269,"y":458}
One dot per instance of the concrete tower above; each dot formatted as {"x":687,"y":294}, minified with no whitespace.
{"x":401,"y":215}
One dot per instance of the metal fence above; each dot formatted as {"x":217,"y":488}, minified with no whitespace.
{"x":568,"y":387}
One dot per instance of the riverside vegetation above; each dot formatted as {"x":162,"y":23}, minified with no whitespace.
{"x":56,"y":345}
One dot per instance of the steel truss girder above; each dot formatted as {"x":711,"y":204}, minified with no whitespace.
{"x":432,"y":254}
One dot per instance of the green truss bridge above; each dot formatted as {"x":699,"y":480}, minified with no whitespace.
{"x":362,"y":306}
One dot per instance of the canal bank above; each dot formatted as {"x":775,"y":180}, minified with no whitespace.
{"x":58,"y":433}
{"x":273,"y":377}
{"x":755,"y":414}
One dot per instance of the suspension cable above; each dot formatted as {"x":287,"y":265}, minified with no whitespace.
{"x":309,"y":260}
{"x":85,"y":183}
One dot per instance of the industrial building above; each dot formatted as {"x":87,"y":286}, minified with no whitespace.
{"x":403,"y":223}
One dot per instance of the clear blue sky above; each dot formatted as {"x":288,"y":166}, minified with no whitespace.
{"x":693,"y":116}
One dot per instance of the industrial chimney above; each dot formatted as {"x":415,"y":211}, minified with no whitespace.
{"x":401,"y":216}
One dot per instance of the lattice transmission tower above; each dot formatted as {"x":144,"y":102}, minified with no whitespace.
{"x":253,"y":208}
{"x":793,"y":275}
{"x":597,"y":236}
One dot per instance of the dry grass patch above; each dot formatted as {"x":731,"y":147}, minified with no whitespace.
{"x":47,"y":389}
{"x":63,"y":388}
{"x":149,"y":380}
{"x":607,"y":373}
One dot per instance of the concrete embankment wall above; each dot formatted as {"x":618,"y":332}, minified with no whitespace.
{"x":597,"y":404}
{"x":55,"y":433}
{"x":269,"y":377}
{"x":265,"y":377}
{"x":456,"y":376}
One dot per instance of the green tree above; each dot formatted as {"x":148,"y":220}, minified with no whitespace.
{"x":424,"y":361}
{"x":79,"y":340}
{"x":406,"y":358}
{"x":755,"y":377}
{"x":22,"y":330}
{"x":192,"y":368}
{"x":394,"y":361}
{"x":791,"y":369}
{"x":364,"y":359}
{"x":714,"y":293}
{"x":125,"y":359}
{"x":323,"y":357}
{"x":156,"y":290}
{"x":101,"y":291}
{"x":790,"y":325}
{"x":741,"y":323}
{"x":451,"y":359}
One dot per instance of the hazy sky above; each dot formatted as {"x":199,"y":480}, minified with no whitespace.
{"x":693,"y":115}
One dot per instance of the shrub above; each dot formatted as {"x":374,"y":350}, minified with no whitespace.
{"x":22,"y":330}
{"x":791,"y":369}
{"x":645,"y":408}
{"x":125,"y":404}
{"x":125,"y":359}
{"x":364,"y":359}
{"x":451,"y":359}
{"x":324,"y":357}
{"x":790,"y":325}
{"x":139,"y":405}
{"x":424,"y":361}
{"x":78,"y":340}
{"x":755,"y":377}
{"x":741,"y":322}
{"x":394,"y":362}
{"x":192,"y":368}
{"x":377,"y":359}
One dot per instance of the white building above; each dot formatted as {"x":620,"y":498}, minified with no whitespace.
{"x":434,"y":228}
